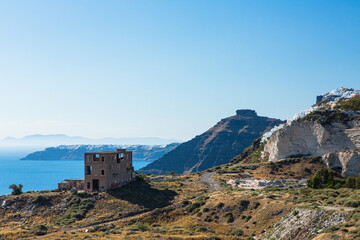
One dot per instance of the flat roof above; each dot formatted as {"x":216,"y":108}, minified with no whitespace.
{"x":107,"y":152}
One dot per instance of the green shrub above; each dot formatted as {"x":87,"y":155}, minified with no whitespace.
{"x":185,"y":202}
{"x":352,"y":203}
{"x":237,"y":232}
{"x":191,"y":207}
{"x":206,"y":209}
{"x":77,"y":211}
{"x":352,"y":104}
{"x":208,"y":219}
{"x":17,"y":189}
{"x":200,"y":229}
{"x":321,"y":179}
{"x":220,"y":205}
{"x":140,"y":178}
{"x":38,"y":230}
{"x":83,"y":194}
{"x":255,"y":205}
{"x":40,"y":200}
{"x":244,"y":203}
{"x":229,"y":217}
{"x":142,"y":226}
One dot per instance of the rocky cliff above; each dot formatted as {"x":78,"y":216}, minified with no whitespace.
{"x":330,"y":129}
{"x":315,"y":138}
{"x":217,"y":146}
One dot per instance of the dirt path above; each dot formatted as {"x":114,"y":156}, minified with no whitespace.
{"x":63,"y":230}
{"x":336,"y":208}
{"x":206,"y":178}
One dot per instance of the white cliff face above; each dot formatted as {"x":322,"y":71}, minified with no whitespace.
{"x":347,"y":162}
{"x":312,"y":138}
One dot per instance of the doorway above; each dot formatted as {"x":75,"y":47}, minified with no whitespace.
{"x":95,"y":185}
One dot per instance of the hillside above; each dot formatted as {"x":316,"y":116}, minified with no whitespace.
{"x":217,"y":146}
{"x":76,"y":152}
{"x":189,"y":207}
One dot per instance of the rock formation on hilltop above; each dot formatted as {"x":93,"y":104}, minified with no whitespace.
{"x":329,"y":127}
{"x":217,"y":146}
{"x":312,"y":137}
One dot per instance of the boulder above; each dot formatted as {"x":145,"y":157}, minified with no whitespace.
{"x":345,"y":162}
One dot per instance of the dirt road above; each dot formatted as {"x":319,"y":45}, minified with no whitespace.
{"x":206,"y":178}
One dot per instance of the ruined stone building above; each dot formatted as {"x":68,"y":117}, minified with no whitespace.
{"x":106,"y":170}
{"x":69,"y":184}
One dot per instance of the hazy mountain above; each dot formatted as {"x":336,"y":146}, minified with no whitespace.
{"x":76,"y":152}
{"x":217,"y":146}
{"x":61,"y":139}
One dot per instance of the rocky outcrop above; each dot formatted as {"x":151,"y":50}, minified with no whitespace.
{"x":314,"y":137}
{"x":346,"y":162}
{"x":304,"y":224}
{"x":217,"y":146}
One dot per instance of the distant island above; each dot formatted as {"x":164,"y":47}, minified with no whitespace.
{"x":76,"y":152}
{"x":50,"y":140}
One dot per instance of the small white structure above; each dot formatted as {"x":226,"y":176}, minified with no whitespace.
{"x":251,"y":183}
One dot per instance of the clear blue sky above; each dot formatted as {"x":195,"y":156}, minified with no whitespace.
{"x":168,"y":69}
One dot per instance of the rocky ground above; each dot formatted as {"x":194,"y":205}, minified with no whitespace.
{"x":194,"y":206}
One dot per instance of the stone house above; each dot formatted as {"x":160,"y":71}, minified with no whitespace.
{"x":69,"y":184}
{"x":107,"y":170}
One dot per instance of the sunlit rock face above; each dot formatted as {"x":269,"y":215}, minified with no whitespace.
{"x":312,"y":138}
{"x":346,"y":162}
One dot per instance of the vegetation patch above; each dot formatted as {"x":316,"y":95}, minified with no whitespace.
{"x":77,"y":211}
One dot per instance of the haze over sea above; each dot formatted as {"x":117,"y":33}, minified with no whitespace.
{"x":37,"y":175}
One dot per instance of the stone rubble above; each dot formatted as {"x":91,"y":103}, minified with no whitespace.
{"x":251,"y":183}
{"x":303,"y":224}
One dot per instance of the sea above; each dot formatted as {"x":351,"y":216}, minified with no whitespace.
{"x":37,"y":175}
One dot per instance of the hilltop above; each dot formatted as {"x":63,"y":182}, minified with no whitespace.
{"x":217,"y":146}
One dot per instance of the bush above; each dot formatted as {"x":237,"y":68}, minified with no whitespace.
{"x":352,"y":104}
{"x":140,"y":178}
{"x":248,"y":218}
{"x":352,"y":203}
{"x":220,"y":205}
{"x":40,"y":200}
{"x":208,"y":219}
{"x":229,"y":217}
{"x":237,"y":232}
{"x":193,"y":206}
{"x":206,"y":209}
{"x":200,"y":229}
{"x":17,"y":190}
{"x":321,"y":179}
{"x":185,"y":202}
{"x":77,"y":211}
{"x":244,"y":203}
{"x":83,"y":194}
{"x":142,"y":226}
{"x":38,"y":230}
{"x":255,"y":205}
